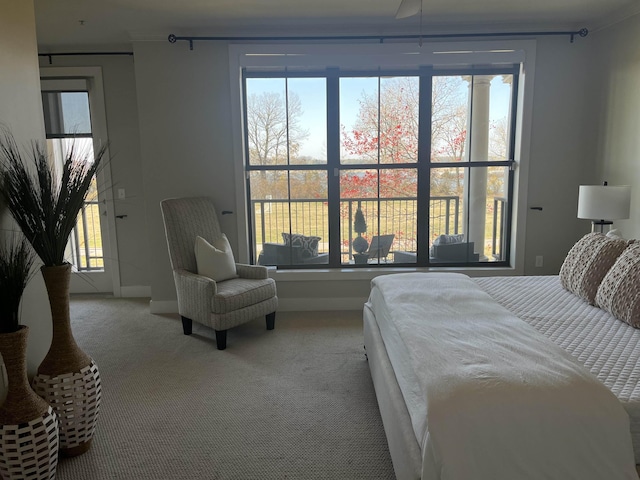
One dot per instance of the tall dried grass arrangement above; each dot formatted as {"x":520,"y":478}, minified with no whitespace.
{"x":16,"y":262}
{"x":44,"y":204}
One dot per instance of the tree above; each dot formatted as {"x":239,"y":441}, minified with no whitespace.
{"x":274,"y":134}
{"x":387,"y":128}
{"x":273,"y":127}
{"x":498,"y":139}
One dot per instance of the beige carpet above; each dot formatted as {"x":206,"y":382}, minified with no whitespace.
{"x":293,"y":403}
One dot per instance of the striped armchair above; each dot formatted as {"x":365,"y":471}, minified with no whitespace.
{"x":218,"y":305}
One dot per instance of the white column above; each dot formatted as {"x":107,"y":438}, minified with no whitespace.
{"x":478,"y":152}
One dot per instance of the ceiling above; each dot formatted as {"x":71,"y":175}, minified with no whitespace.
{"x":97,"y":24}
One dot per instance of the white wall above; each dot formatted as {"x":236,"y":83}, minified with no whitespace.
{"x":21,"y":111}
{"x":617,"y":70}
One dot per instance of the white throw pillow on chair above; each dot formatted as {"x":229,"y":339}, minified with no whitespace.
{"x":215,"y":261}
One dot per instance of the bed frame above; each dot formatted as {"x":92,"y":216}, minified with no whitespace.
{"x":403,"y":446}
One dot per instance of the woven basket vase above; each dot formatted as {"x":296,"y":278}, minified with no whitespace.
{"x":68,"y":378}
{"x":28,"y":425}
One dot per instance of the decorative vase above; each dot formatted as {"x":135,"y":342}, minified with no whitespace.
{"x":28,"y":424}
{"x":68,"y":378}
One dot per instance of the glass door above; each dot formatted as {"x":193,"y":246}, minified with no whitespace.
{"x":69,"y":123}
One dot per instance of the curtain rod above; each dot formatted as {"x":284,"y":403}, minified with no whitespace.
{"x":51,"y":55}
{"x":583,"y":32}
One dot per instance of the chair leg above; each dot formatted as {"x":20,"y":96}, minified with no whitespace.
{"x":187,"y":325}
{"x":271,"y":320}
{"x":221,"y":339}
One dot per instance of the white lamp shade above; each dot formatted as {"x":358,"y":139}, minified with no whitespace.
{"x":604,"y":202}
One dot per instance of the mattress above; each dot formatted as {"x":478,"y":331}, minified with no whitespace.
{"x":447,"y":337}
{"x":399,"y":357}
{"x":608,"y":347}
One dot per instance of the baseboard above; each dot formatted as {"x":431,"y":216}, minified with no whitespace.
{"x":320,"y":304}
{"x":168,"y":306}
{"x":136,"y":291}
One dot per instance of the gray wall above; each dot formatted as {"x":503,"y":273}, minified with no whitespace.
{"x":185,"y":135}
{"x":21,"y":111}
{"x":562,"y":149}
{"x":582,"y":128}
{"x":617,"y":70}
{"x":186,"y":149}
{"x":125,"y":163}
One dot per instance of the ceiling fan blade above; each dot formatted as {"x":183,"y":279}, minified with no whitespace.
{"x":408,"y":8}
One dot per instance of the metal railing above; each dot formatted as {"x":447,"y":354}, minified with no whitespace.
{"x":389,"y":215}
{"x":85,"y":243}
{"x":498,"y":239}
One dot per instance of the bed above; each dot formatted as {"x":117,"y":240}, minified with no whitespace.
{"x":586,"y":425}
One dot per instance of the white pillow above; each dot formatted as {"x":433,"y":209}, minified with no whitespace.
{"x":215,"y":261}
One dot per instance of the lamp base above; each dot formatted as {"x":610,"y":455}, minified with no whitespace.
{"x":598,"y":226}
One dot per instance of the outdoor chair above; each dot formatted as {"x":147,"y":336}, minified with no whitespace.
{"x":380,"y":246}
{"x":221,"y":305}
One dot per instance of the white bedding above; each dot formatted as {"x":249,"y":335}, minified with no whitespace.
{"x":609,"y":348}
{"x":489,"y":397}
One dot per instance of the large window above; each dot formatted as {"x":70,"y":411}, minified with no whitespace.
{"x":378,"y":168}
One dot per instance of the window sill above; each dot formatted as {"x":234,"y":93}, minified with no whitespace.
{"x":331,"y":274}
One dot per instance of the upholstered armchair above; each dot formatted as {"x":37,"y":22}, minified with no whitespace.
{"x":217,"y":304}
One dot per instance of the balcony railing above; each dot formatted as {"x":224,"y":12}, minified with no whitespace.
{"x":389,"y":215}
{"x":85,"y":244}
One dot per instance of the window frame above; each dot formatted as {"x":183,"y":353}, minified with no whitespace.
{"x":423,"y":165}
{"x":313,"y":55}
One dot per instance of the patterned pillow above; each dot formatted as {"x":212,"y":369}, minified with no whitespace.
{"x":308,"y":245}
{"x":619,"y":292}
{"x":445,"y":240}
{"x":448,"y":239}
{"x":570,"y":262}
{"x":588,"y":262}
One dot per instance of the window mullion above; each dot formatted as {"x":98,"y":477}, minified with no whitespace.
{"x":333,"y":165}
{"x":510,"y":155}
{"x":424,"y":170}
{"x":286,"y":111}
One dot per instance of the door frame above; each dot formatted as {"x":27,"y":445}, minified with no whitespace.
{"x":81,"y":281}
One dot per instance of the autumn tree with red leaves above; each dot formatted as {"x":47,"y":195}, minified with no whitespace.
{"x":386,"y":132}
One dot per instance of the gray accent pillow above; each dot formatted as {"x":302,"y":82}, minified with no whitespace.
{"x":588,"y":262}
{"x":619,"y":292}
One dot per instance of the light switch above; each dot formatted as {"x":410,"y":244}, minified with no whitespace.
{"x":121,"y":194}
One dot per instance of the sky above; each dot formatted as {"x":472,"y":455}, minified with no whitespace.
{"x":312,"y":94}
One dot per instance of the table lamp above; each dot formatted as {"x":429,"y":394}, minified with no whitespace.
{"x":603,"y":203}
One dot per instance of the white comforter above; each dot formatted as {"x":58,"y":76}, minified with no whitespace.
{"x":501,"y":400}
